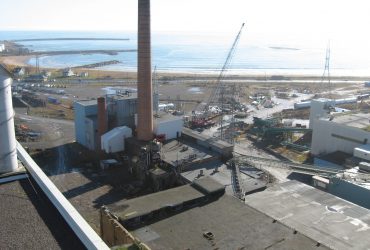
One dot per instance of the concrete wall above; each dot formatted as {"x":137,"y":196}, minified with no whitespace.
{"x":317,"y":111}
{"x":81,"y":112}
{"x":350,"y":192}
{"x":91,"y":135}
{"x":171,"y":128}
{"x":114,"y":234}
{"x":123,"y":111}
{"x":328,"y":137}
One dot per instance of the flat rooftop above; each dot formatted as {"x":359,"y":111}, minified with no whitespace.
{"x":121,"y":96}
{"x":132,"y":208}
{"x":359,"y":120}
{"x":233,"y":224}
{"x":321,"y":216}
{"x":162,"y":116}
{"x":249,"y":178}
{"x":176,"y":152}
{"x":30,"y":221}
{"x":203,"y":137}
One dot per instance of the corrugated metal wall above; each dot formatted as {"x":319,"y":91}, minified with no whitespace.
{"x":81,"y":112}
{"x":350,"y":192}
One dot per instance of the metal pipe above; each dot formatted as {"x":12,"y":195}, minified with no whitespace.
{"x":144,"y":74}
{"x":8,"y":150}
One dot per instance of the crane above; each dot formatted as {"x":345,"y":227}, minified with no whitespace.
{"x":218,"y":93}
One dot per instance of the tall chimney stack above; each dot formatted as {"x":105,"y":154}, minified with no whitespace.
{"x":144,"y":74}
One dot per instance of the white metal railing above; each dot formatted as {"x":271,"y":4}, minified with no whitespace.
{"x":78,"y":224}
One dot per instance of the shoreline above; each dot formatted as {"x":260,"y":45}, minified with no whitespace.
{"x":23,"y":61}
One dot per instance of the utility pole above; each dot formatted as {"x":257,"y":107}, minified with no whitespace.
{"x":327,"y":70}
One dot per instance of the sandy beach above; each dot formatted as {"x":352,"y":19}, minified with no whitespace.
{"x":15,"y":60}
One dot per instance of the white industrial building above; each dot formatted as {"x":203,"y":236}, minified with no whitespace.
{"x":2,"y":47}
{"x":121,"y":111}
{"x":341,"y":132}
{"x":168,"y":125}
{"x":114,"y":140}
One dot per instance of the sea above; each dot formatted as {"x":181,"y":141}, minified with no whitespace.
{"x":204,"y":53}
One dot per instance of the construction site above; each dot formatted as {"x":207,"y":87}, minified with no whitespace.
{"x":156,"y":161}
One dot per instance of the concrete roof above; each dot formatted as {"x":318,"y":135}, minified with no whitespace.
{"x":203,"y":137}
{"x":122,"y":96}
{"x":173,"y":152}
{"x":30,"y":221}
{"x":162,"y":117}
{"x":321,"y":216}
{"x":249,"y":183}
{"x":359,"y":120}
{"x":233,"y":224}
{"x":208,"y":185}
{"x":127,"y":209}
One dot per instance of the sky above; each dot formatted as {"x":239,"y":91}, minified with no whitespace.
{"x":340,"y":20}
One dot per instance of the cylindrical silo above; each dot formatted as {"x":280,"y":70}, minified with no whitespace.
{"x":8,"y":150}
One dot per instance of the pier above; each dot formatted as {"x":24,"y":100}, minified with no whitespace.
{"x":96,"y":65}
{"x":70,"y":52}
{"x":69,"y":39}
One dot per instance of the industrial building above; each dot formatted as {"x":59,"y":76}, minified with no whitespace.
{"x":340,"y":141}
{"x":338,"y":132}
{"x":201,"y":216}
{"x":120,"y":111}
{"x":198,"y":216}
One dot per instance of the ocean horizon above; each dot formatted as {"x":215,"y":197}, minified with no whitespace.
{"x":202,"y":53}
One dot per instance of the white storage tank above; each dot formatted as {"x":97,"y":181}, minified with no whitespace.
{"x":302,"y":105}
{"x":346,"y":100}
{"x":114,"y":140}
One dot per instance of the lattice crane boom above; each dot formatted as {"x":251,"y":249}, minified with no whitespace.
{"x":219,"y":82}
